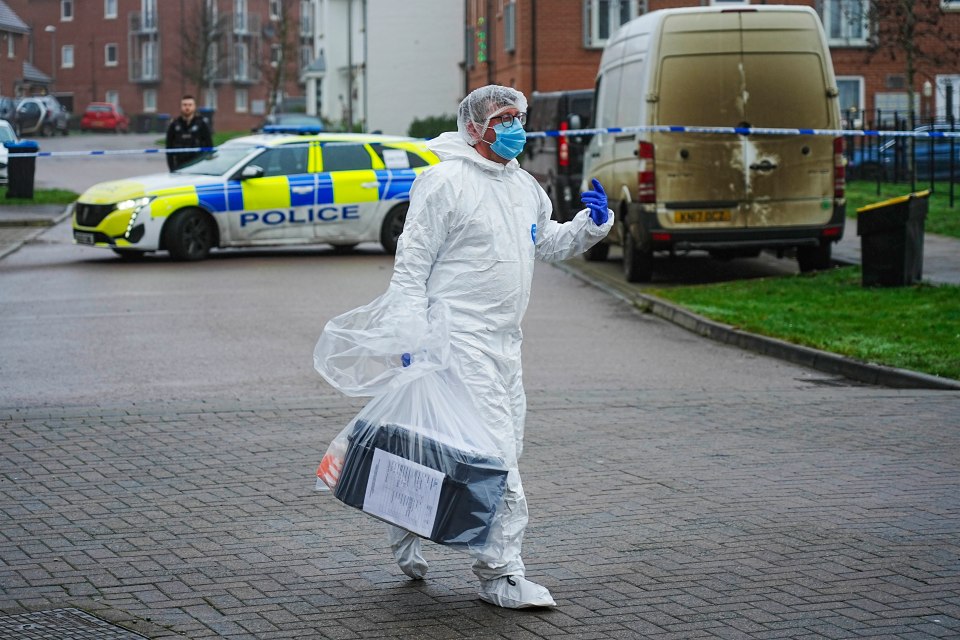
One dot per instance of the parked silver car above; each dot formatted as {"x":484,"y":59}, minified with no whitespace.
{"x":41,"y":116}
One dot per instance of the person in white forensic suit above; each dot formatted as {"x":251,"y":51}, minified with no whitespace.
{"x":476,"y":223}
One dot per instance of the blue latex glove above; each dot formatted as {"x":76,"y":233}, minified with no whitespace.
{"x":405,"y":359}
{"x":596,"y":201}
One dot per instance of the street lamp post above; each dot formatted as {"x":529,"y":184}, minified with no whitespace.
{"x":52,"y":30}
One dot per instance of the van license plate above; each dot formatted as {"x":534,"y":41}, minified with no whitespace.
{"x":693,"y":217}
{"x":83,"y":238}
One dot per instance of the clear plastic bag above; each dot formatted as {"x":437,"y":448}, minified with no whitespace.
{"x":417,"y":456}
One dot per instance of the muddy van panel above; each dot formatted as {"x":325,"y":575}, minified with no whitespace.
{"x":760,"y":67}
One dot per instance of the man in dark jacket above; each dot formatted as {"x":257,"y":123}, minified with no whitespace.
{"x":187,"y":131}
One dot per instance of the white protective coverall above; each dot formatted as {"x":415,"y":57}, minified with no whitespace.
{"x":472,"y":232}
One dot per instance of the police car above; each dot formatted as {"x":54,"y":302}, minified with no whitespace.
{"x":272,"y":189}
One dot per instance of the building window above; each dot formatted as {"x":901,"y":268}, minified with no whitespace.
{"x":66,"y":10}
{"x":66,"y":56}
{"x":210,"y":98}
{"x":148,"y":9}
{"x":11,"y":46}
{"x":241,"y":69}
{"x":109,"y":9}
{"x":306,"y":57}
{"x":950,"y":5}
{"x":274,"y":9}
{"x":240,"y":16}
{"x":851,"y":100}
{"x":148,"y":51}
{"x":601,"y":18}
{"x":846,"y":22}
{"x":150,"y":100}
{"x":510,"y":27}
{"x":276,"y":55}
{"x":947,"y":94}
{"x":111,"y":55}
{"x":306,"y":19}
{"x":241,"y":101}
{"x":113,"y":97}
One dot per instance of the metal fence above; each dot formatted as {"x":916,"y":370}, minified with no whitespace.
{"x":926,"y":161}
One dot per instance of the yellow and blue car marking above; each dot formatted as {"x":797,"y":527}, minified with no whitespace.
{"x":130,"y":214}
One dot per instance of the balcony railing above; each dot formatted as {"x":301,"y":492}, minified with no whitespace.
{"x":244,"y":23}
{"x":143,"y":22}
{"x":144,"y":70}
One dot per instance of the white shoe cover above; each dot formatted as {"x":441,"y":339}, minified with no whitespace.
{"x":407,"y":553}
{"x":515,"y":592}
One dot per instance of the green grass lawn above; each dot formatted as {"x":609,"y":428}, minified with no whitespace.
{"x":915,"y":328}
{"x":941,"y":218}
{"x":41,"y":196}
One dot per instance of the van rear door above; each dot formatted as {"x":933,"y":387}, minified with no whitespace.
{"x":790,"y":178}
{"x":699,"y":177}
{"x":743,"y":69}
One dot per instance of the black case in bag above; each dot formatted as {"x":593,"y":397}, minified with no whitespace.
{"x":472,"y":488}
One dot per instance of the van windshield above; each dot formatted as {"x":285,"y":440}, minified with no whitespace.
{"x":781,"y":90}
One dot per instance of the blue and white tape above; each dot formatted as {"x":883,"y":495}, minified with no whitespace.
{"x":743,"y":131}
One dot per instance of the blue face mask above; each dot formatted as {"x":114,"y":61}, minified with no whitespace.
{"x":510,"y":140}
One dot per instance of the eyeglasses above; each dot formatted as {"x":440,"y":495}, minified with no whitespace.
{"x":507,"y":119}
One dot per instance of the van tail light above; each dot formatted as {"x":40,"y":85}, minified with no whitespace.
{"x":563,"y":147}
{"x":646,"y":179}
{"x":839,"y":170}
{"x":831,"y":232}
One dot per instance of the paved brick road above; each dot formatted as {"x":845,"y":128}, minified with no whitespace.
{"x":832,"y":512}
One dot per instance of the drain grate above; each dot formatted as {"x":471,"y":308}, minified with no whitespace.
{"x":61,"y":624}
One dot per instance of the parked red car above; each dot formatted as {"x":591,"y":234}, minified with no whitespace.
{"x":104,"y":116}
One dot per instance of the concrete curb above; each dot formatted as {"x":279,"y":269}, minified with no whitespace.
{"x":40,"y":225}
{"x":796,"y":354}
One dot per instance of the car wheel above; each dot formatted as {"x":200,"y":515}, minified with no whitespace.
{"x":637,"y":261}
{"x":393,"y":227}
{"x":47,"y":130}
{"x":188,"y":235}
{"x":598,"y":252}
{"x":129,"y":255}
{"x":815,"y":258}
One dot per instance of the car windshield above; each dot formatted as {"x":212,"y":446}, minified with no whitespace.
{"x":217,"y":163}
{"x":6,"y":134}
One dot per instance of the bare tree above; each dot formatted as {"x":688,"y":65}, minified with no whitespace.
{"x":282,"y":40}
{"x":917,"y":33}
{"x":201,"y":38}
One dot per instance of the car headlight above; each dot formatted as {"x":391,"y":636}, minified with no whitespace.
{"x":137,"y":206}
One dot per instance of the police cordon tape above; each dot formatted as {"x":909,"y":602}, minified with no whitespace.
{"x":743,"y":131}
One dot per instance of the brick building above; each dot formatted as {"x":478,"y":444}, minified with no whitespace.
{"x":550,"y":45}
{"x":16,"y":73}
{"x":144,"y":54}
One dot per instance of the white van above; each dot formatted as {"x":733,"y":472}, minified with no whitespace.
{"x":764,"y":66}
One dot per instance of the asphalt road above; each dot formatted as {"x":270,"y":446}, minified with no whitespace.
{"x":79,"y":172}
{"x":81,"y":326}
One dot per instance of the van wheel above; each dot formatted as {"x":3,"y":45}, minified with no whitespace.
{"x":188,"y":235}
{"x":598,"y":252}
{"x":814,"y":258}
{"x":393,"y":227}
{"x":637,"y":261}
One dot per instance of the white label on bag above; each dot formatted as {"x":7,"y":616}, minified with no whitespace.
{"x":404,"y":493}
